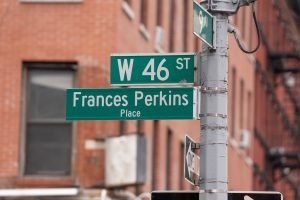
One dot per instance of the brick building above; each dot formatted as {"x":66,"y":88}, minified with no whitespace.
{"x":47,"y":46}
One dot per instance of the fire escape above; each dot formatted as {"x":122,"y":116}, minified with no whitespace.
{"x":284,"y":65}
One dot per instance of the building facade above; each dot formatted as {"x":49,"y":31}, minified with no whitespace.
{"x":47,"y":46}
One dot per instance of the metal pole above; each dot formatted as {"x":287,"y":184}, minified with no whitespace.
{"x":213,"y":82}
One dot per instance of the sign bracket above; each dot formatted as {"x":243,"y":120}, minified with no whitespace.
{"x":195,"y":146}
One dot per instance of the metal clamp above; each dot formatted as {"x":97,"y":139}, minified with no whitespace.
{"x":206,"y":127}
{"x":212,"y":181}
{"x":213,"y":143}
{"x":213,"y":191}
{"x":213,"y":115}
{"x":213,"y":90}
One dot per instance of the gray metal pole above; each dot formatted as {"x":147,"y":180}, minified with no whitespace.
{"x":213,"y":82}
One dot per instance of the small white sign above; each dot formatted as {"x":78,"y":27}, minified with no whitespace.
{"x":191,"y":162}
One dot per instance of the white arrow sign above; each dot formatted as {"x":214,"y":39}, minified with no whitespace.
{"x":246,"y":197}
{"x":191,"y":162}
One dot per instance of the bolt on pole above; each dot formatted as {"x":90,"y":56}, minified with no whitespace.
{"x":214,"y":130}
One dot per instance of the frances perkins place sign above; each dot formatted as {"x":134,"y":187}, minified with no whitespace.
{"x":132,"y":103}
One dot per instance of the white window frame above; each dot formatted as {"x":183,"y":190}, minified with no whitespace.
{"x":26,"y":68}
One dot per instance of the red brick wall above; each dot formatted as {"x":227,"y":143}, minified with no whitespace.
{"x":80,"y":32}
{"x":86,"y":33}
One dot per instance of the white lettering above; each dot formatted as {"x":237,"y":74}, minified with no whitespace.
{"x":75,"y":98}
{"x":179,"y":63}
{"x":107,"y":101}
{"x":187,"y":62}
{"x":130,"y":113}
{"x":125,"y":102}
{"x":155,"y":97}
{"x":162,"y":99}
{"x":83,"y":100}
{"x":91,"y":101}
{"x":148,"y":100}
{"x":124,"y":69}
{"x":122,"y":112}
{"x":117,"y":100}
{"x":149,"y":70}
{"x":185,"y":100}
{"x":138,"y":96}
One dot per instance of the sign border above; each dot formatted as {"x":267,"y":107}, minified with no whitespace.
{"x":157,"y":83}
{"x":155,"y":54}
{"x":194,"y":112}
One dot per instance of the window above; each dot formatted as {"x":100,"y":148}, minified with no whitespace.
{"x":233,"y":93}
{"x":159,"y":31}
{"x":185,"y":24}
{"x":159,"y":13}
{"x":181,"y":164}
{"x":155,"y":152}
{"x":51,"y":1}
{"x":242,"y":104}
{"x":122,"y":127}
{"x":249,"y":113}
{"x":144,"y":12}
{"x":251,"y":31}
{"x":235,"y":19}
{"x":172,"y":26}
{"x":127,"y":8}
{"x":244,"y":22}
{"x":140,"y":127}
{"x":169,"y":158}
{"x":47,"y":133}
{"x":144,"y":19}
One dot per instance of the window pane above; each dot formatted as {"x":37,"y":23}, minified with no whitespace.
{"x":48,"y":149}
{"x":172,"y":26}
{"x":48,"y":143}
{"x":46,"y":93}
{"x":159,"y":12}
{"x":169,"y":151}
{"x":144,"y":12}
{"x":185,"y":25}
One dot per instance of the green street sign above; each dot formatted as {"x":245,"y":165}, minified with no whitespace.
{"x":203,"y":24}
{"x":152,"y":69}
{"x":132,"y":103}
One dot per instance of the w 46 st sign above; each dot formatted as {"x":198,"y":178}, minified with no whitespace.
{"x":152,"y":69}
